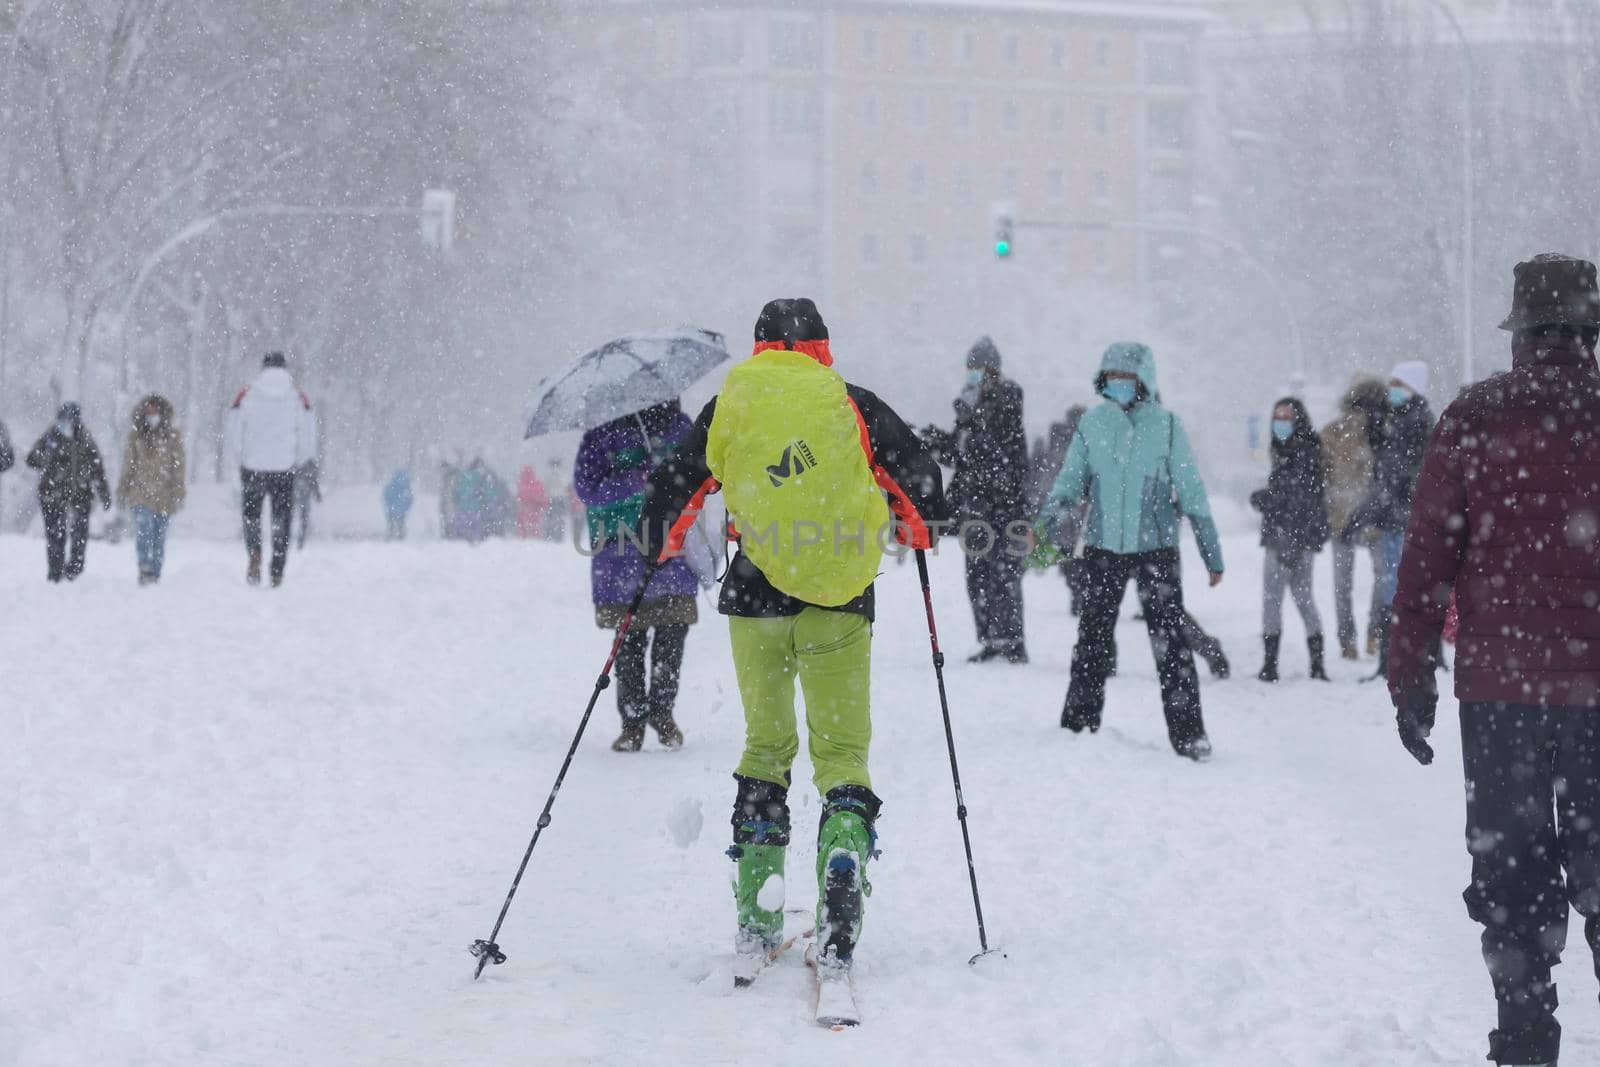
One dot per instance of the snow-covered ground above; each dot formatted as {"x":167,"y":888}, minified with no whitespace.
{"x":245,"y":827}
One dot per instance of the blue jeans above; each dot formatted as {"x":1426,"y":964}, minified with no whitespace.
{"x":1388,"y":548}
{"x":150,"y":540}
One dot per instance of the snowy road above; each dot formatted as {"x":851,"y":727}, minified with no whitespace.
{"x":252,"y":828}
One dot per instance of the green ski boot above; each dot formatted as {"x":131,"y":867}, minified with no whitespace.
{"x":845,"y":841}
{"x":760,"y":838}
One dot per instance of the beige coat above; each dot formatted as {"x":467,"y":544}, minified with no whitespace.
{"x":153,"y":470}
{"x":1349,"y":453}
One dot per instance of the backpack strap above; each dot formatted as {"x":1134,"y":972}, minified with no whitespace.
{"x":910,"y":530}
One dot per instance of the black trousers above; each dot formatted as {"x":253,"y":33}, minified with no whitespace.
{"x":1533,"y":814}
{"x":259,"y":486}
{"x":994,"y":585}
{"x":635,"y":699}
{"x":64,"y":522}
{"x":1160,"y":590}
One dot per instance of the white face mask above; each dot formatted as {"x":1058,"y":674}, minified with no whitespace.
{"x":152,"y":421}
{"x":64,"y":428}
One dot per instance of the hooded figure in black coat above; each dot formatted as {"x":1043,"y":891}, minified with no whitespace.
{"x":1294,"y":527}
{"x":71,"y":475}
{"x":988,"y":450}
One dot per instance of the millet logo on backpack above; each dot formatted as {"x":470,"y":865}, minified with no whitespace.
{"x":796,"y":460}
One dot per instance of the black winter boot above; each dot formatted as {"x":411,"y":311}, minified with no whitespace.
{"x":1383,"y":654}
{"x":1314,"y":644}
{"x":632,"y":737}
{"x":1269,"y":666}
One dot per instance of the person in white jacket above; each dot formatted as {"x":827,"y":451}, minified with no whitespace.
{"x":271,"y":430}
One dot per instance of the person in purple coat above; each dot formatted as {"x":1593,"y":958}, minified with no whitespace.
{"x":610,"y":474}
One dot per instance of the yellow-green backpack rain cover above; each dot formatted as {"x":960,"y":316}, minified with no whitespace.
{"x":786,"y":446}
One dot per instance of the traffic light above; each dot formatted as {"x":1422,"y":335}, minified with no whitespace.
{"x":1004,"y":230}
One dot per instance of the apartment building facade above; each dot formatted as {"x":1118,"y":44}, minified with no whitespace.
{"x":857,"y":147}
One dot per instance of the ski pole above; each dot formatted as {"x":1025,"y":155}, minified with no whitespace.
{"x":486,"y":950}
{"x":950,"y":742}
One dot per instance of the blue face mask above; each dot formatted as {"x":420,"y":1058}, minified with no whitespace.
{"x":975,"y":376}
{"x":1398,"y":395}
{"x":1121,"y":391}
{"x":1283,"y":429}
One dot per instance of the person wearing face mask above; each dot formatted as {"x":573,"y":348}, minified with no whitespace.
{"x":1294,"y":527}
{"x":1399,"y":437}
{"x":71,"y":475}
{"x":153,"y":481}
{"x":988,"y":450}
{"x":1506,"y":517}
{"x":1131,"y":461}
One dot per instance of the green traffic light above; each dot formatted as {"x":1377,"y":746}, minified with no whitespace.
{"x":1002,"y":248}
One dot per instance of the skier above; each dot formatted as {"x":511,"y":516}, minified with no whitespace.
{"x":798,"y":451}
{"x":611,"y":473}
{"x":271,"y":431}
{"x":397,"y":500}
{"x":989,"y":490}
{"x":1399,"y":438}
{"x":1130,"y":439}
{"x":1505,"y":516}
{"x":1294,"y":527}
{"x":153,"y":481}
{"x":71,"y":475}
{"x":1347,"y":448}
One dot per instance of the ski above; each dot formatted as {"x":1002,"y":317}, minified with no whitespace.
{"x":836,"y":998}
{"x":747,"y":966}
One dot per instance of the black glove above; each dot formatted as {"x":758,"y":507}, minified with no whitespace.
{"x":1413,"y":715}
{"x":1258,"y":500}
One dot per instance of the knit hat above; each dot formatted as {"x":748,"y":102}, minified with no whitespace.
{"x":1414,"y":373}
{"x":983,"y":355}
{"x":274,"y":359}
{"x":789,"y":321}
{"x":1553,"y":290}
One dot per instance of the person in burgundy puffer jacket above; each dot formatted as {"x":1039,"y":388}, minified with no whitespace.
{"x":1506,"y":514}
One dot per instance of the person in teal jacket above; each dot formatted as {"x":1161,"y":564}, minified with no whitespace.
{"x":1131,"y":462}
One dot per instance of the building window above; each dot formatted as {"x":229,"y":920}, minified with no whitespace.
{"x":919,"y":46}
{"x":1167,"y":126}
{"x":1102,"y":187}
{"x":917,"y":181}
{"x":1102,"y":121}
{"x":1055,"y":185}
{"x":1010,"y":182}
{"x":1169,"y":193}
{"x":870,"y":252}
{"x":917,"y":112}
{"x":869,"y":44}
{"x":917,"y":249}
{"x":869,"y":180}
{"x":1102,"y":52}
{"x":793,"y":44}
{"x":1168,"y":62}
{"x":963,"y":184}
{"x":1058,"y":118}
{"x":962,"y":117}
{"x":793,"y":112}
{"x":966,"y":47}
{"x":1011,"y":117}
{"x":867,"y":112}
{"x":1058,"y":53}
{"x":1011,"y":48}
{"x":717,"y":41}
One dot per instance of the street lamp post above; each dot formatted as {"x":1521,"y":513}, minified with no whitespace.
{"x":1467,"y":186}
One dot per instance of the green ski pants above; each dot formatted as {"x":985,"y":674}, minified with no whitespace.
{"x":831,"y":652}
